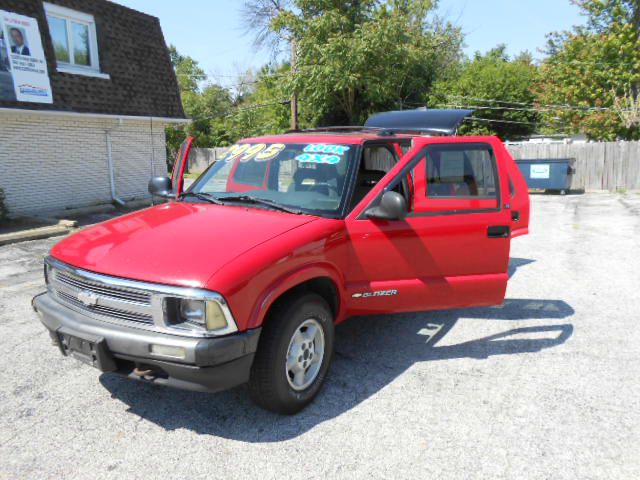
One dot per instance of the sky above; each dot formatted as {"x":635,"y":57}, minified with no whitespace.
{"x":211,"y":31}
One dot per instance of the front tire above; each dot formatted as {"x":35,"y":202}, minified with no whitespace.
{"x":294,"y":353}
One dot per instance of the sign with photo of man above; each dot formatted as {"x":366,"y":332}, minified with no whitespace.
{"x":23,"y":67}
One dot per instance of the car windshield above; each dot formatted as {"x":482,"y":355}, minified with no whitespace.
{"x":304,"y":177}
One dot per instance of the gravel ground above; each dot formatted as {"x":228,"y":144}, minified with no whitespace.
{"x":545,"y":386}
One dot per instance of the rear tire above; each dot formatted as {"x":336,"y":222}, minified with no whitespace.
{"x":294,"y":353}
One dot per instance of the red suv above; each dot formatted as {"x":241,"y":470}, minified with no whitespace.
{"x":243,"y":276}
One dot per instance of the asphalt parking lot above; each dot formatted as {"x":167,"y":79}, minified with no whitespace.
{"x":545,"y":386}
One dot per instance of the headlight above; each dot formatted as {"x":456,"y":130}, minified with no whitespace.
{"x":202,"y":313}
{"x":47,"y":273}
{"x":193,"y":311}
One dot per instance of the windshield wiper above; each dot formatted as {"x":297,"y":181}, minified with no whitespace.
{"x":259,"y":201}
{"x":201,"y":196}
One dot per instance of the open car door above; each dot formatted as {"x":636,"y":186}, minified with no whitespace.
{"x":180,"y":166}
{"x":519,"y":197}
{"x":452,"y":248}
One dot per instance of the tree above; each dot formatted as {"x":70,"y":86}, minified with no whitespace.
{"x":188,"y":73}
{"x":207,"y":104}
{"x":356,"y":57}
{"x":266,"y":109}
{"x":593,"y":70}
{"x":498,"y":88}
{"x":260,"y":15}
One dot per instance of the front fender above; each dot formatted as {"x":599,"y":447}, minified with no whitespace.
{"x":294,"y":278}
{"x":253,"y":281}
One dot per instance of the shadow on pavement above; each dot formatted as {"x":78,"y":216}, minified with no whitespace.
{"x":515,"y":263}
{"x":370,"y":353}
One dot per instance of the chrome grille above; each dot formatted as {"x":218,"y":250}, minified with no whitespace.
{"x":108,"y":291}
{"x":100,"y":299}
{"x":106,"y":311}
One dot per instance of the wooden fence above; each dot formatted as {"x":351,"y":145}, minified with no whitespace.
{"x":598,"y":166}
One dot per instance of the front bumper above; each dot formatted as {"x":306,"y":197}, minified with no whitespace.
{"x":209,"y":364}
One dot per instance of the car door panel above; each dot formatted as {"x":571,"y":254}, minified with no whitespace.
{"x":427,"y":260}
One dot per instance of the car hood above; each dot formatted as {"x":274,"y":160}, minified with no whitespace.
{"x":176,"y":243}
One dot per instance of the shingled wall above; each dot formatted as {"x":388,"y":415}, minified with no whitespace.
{"x":132,"y":52}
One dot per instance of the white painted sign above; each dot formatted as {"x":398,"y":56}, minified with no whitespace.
{"x":23,"y":66}
{"x":539,"y":171}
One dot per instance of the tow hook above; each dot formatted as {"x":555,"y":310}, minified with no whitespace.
{"x":144,"y":373}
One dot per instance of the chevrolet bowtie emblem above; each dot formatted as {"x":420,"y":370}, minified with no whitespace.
{"x":90,"y":299}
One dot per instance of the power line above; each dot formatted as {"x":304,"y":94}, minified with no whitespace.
{"x":235,"y":109}
{"x":514,"y":109}
{"x":213,"y":81}
{"x":263,"y":105}
{"x":551,"y":106}
{"x":514,"y":122}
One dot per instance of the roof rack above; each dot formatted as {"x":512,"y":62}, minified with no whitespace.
{"x":440,"y":122}
{"x":344,"y":128}
{"x":421,"y":121}
{"x":383,"y":132}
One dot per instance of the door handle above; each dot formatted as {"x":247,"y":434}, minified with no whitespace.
{"x":515,"y":216}
{"x":498,"y":231}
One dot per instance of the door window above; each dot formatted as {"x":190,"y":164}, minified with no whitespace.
{"x":376,"y":162}
{"x":451,"y":178}
{"x":460,"y":171}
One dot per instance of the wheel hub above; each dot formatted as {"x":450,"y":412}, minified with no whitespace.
{"x":305,"y":354}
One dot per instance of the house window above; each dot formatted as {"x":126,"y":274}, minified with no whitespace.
{"x":75,"y":44}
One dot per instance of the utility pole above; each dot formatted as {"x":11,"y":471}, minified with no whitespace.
{"x":294,"y":96}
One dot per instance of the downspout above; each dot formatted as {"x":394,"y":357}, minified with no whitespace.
{"x":112,"y":179}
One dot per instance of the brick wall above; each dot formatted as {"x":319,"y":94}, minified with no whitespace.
{"x":52,"y":163}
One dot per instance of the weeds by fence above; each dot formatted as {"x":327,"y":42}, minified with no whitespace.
{"x":4,"y":211}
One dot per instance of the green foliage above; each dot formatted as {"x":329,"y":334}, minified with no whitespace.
{"x":596,"y":65}
{"x":188,"y":73}
{"x":358,"y":57}
{"x":492,"y":76}
{"x":4,"y":211}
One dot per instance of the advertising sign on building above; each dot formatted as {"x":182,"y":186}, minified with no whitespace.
{"x":23,"y":67}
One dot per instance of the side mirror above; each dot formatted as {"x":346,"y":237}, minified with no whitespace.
{"x":393,"y":206}
{"x":161,"y":187}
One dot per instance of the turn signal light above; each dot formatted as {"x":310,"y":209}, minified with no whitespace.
{"x":169,"y":351}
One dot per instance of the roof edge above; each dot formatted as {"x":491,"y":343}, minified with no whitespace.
{"x":106,"y":116}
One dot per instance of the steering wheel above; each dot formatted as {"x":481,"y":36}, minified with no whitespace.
{"x":319,"y":187}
